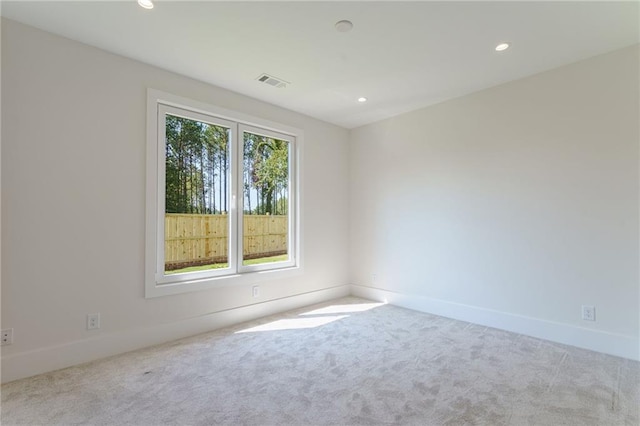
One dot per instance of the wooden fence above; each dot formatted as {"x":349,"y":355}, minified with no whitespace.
{"x":202,"y":239}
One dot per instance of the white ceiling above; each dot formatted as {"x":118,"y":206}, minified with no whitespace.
{"x":400,"y":55}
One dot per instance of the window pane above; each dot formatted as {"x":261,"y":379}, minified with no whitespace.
{"x":266,"y":200}
{"x":196,"y":201}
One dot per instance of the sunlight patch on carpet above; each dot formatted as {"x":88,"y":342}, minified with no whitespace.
{"x":294,"y":324}
{"x":343,"y":309}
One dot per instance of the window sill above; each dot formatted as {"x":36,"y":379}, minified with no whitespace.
{"x":152,"y":289}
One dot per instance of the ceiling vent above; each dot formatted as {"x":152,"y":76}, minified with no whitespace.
{"x":272,"y":81}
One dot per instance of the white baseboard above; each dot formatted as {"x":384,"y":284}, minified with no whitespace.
{"x":595,"y":340}
{"x":42,"y":360}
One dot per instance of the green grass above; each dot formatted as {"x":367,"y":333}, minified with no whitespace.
{"x":271,"y":259}
{"x":258,"y":261}
{"x":197,"y":268}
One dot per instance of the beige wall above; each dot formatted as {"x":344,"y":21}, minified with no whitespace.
{"x":73,"y":198}
{"x":517,"y":203}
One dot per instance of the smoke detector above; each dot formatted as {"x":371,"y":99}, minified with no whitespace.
{"x":344,"y":26}
{"x":272,"y":81}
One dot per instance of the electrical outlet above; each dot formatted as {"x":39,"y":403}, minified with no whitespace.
{"x":93,"y":321}
{"x":374,"y":278}
{"x":588,"y":313}
{"x":256,"y":291}
{"x":7,"y":337}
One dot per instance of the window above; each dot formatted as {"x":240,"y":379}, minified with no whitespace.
{"x":222,"y":197}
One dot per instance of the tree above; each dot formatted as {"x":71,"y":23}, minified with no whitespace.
{"x":266,"y":171}
{"x":196,"y":161}
{"x":197,"y":169}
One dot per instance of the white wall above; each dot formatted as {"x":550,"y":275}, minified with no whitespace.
{"x":510,"y":207}
{"x":73,"y":206}
{"x":0,"y":175}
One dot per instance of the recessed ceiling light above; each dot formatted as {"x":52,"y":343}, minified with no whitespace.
{"x":362,"y":99}
{"x":502,"y":46}
{"x":344,"y":26}
{"x":147,"y":4}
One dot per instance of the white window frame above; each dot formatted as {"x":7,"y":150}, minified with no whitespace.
{"x":291,"y":240}
{"x":161,"y":278}
{"x":156,"y":282}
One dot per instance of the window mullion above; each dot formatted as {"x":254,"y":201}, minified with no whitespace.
{"x":239,"y":178}
{"x":236,"y":199}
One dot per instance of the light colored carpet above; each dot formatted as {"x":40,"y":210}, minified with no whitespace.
{"x":348,"y":362}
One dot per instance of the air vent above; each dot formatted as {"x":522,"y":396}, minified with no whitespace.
{"x":272,"y":81}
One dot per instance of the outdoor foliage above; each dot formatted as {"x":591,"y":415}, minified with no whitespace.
{"x":198,"y":165}
{"x":265,"y":175}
